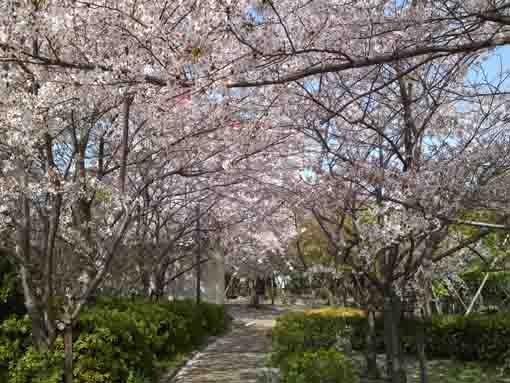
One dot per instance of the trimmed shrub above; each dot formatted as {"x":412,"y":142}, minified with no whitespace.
{"x":475,"y":337}
{"x":304,"y":345}
{"x":315,"y":329}
{"x":115,"y":341}
{"x":322,"y":366}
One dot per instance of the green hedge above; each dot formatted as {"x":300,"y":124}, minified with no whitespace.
{"x":303,"y":345}
{"x":115,"y":341}
{"x":312,"y":331}
{"x":321,"y":366}
{"x":476,"y":337}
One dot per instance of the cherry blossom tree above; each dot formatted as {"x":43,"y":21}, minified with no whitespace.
{"x":116,"y":120}
{"x":380,"y":88}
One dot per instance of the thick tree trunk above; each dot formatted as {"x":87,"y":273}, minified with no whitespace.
{"x":159,"y":286}
{"x":41,"y":333}
{"x":68,"y":353}
{"x":394,"y":363}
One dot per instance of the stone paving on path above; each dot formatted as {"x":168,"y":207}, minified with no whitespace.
{"x":238,"y":355}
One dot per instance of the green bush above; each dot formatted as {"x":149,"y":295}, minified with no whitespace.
{"x":11,"y":299}
{"x":322,"y":366}
{"x":14,"y":341}
{"x":115,"y":341}
{"x":37,"y":367}
{"x":471,"y":338}
{"x":303,"y":345}
{"x":202,"y":320}
{"x":315,"y":330}
{"x":476,"y":337}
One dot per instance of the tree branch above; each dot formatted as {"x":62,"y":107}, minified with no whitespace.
{"x":377,"y":60}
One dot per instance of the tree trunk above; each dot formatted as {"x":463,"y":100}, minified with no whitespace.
{"x":371,"y":351}
{"x":125,"y":142}
{"x":388,"y":336}
{"x":254,"y":300}
{"x":229,"y":284}
{"x":160,"y":283}
{"x":398,"y":373}
{"x":146,"y":283}
{"x":422,"y":356}
{"x":41,"y":335}
{"x":273,"y":290}
{"x":68,"y":353}
{"x":345,"y":295}
{"x":198,"y":270}
{"x":394,"y":365}
{"x":428,"y":302}
{"x":43,"y":329}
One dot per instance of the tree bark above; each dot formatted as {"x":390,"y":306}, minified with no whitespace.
{"x":371,"y":351}
{"x":68,"y":353}
{"x":41,"y":335}
{"x":273,"y":290}
{"x":159,"y":285}
{"x":230,"y":283}
{"x":398,"y":373}
{"x":125,"y":142}
{"x":394,"y":364}
{"x":42,"y":328}
{"x":198,"y":259}
{"x":420,"y":342}
{"x":388,"y":318}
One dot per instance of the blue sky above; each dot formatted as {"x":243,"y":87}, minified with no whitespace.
{"x":498,"y":62}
